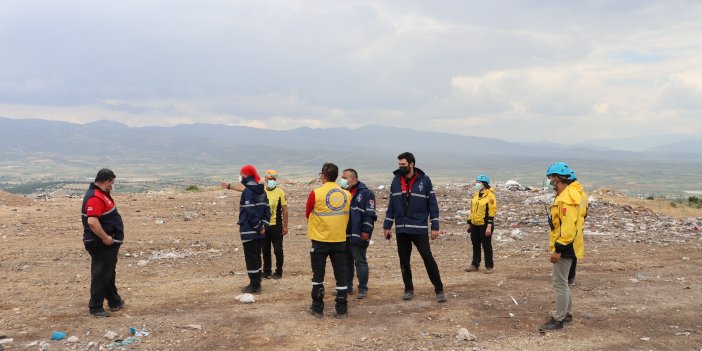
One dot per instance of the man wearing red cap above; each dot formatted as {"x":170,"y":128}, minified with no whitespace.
{"x":254,"y":217}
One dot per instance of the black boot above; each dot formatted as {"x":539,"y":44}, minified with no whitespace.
{"x":317,"y":307}
{"x":341,"y":305}
{"x":551,"y":325}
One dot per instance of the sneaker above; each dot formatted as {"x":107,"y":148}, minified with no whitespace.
{"x":315,"y":313}
{"x":362,"y":294}
{"x":441,"y":297}
{"x":488,"y":271}
{"x":251,"y":289}
{"x":551,"y":325}
{"x":568,"y":318}
{"x":471,"y":268}
{"x":119,"y":307}
{"x":409,"y":295}
{"x":277,"y":275}
{"x":99,"y":314}
{"x":267,"y":275}
{"x":571,"y":282}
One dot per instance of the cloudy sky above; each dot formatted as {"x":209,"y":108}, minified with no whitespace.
{"x":562,"y":71}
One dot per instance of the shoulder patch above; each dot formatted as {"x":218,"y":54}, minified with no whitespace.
{"x":492,"y":201}
{"x":565,"y":210}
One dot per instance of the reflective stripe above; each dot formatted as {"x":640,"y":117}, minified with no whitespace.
{"x":313,"y":283}
{"x":261,"y":204}
{"x":415,"y":226}
{"x":327,"y":214}
{"x":420,"y":195}
{"x":370,"y":210}
{"x":250,"y":232}
{"x":390,"y":219}
{"x":341,"y":287}
{"x":432,"y":192}
{"x":396,"y":194}
{"x":255,"y":271}
{"x":368,"y":224}
{"x":358,"y":208}
{"x":434,"y":219}
{"x":110,"y":211}
{"x":117,"y":241}
{"x":356,"y":235}
{"x":249,"y":205}
{"x":266,"y":222}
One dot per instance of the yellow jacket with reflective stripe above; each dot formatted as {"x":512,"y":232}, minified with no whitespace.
{"x":482,"y":205}
{"x":328,"y":220}
{"x":580,"y":240}
{"x":565,"y":217}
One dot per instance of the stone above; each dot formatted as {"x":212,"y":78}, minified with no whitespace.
{"x":110,"y":335}
{"x":72,"y":339}
{"x":464,"y":335}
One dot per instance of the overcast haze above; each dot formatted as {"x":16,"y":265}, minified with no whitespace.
{"x":560,"y":71}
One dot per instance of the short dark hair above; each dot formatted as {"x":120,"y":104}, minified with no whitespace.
{"x":330,"y":171}
{"x":104,"y":175}
{"x":407,"y":156}
{"x":485,"y":184}
{"x":352,"y":171}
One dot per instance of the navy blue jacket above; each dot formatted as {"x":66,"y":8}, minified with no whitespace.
{"x":362,"y":216}
{"x":411,"y":211}
{"x":111,"y":222}
{"x":254,"y":211}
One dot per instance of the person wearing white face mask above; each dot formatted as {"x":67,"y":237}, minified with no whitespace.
{"x":481,"y":223}
{"x":277,"y":229}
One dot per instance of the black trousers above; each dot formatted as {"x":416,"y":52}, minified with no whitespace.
{"x":404,"y":250}
{"x":274,"y":237}
{"x":478,"y":239}
{"x":252,"y":256}
{"x":318,"y":258}
{"x":571,"y":274}
{"x":103,"y":262}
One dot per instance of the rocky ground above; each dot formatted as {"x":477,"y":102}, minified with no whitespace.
{"x":182,"y":265}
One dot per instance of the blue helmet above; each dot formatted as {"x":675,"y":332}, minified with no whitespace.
{"x":559,"y":168}
{"x":572,"y":175}
{"x":483,"y":178}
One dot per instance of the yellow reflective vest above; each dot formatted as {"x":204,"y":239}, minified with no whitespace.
{"x":482,"y":208}
{"x":564,"y":216}
{"x":330,"y":216}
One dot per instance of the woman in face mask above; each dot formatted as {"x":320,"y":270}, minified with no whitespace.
{"x":481,"y":223}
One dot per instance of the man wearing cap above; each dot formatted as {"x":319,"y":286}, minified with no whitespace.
{"x":103,"y":233}
{"x":254,"y":217}
{"x":278,"y":228}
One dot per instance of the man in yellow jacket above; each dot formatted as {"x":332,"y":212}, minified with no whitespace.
{"x":327,"y":217}
{"x":481,"y":223}
{"x":564,"y":241}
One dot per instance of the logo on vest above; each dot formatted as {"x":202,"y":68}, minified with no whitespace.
{"x":421,"y":186}
{"x":336,"y":200}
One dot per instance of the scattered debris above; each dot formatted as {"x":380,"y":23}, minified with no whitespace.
{"x":110,"y":335}
{"x":72,"y":339}
{"x":193,"y":326}
{"x":58,"y":335}
{"x":464,"y":335}
{"x":246,"y":298}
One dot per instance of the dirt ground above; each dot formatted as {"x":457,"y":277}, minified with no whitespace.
{"x":639,"y":287}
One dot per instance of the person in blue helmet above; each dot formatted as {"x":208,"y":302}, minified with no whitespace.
{"x":565,"y":241}
{"x":581,"y":222}
{"x":481,"y":223}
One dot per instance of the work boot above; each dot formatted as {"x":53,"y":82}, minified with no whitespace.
{"x":361,"y":294}
{"x":568,"y":318}
{"x":488,"y":271}
{"x":267,"y":275}
{"x":251,"y":289}
{"x":277,"y":275}
{"x":551,"y":325}
{"x":409,"y":295}
{"x":101,"y":313}
{"x":118,"y":307}
{"x":471,"y":268}
{"x":441,"y":297}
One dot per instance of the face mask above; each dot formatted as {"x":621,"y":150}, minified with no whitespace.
{"x":241,"y":179}
{"x":404,"y":170}
{"x":271,"y":184}
{"x":553,"y":183}
{"x":478,"y":186}
{"x":344,"y":183}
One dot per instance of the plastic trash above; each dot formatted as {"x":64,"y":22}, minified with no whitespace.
{"x":58,"y":335}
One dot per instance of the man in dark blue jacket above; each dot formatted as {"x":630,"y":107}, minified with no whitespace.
{"x":411,"y":207}
{"x":359,"y":229}
{"x":254,"y":217}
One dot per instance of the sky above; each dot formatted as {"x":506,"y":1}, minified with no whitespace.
{"x":520,"y":70}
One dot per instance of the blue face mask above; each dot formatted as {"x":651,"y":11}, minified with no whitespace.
{"x":271,"y":184}
{"x":344,"y":183}
{"x":478,"y":186}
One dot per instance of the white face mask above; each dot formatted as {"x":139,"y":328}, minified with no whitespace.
{"x":478,"y":186}
{"x":241,"y":179}
{"x":344,"y":183}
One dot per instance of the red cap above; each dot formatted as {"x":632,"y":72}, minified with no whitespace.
{"x":249,"y":171}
